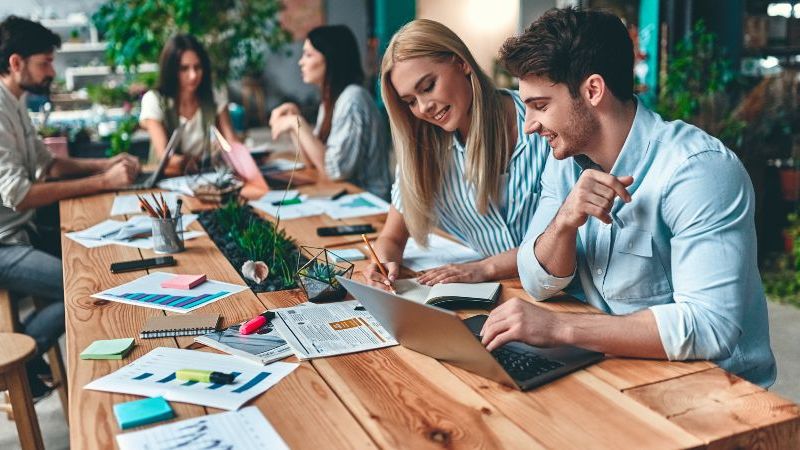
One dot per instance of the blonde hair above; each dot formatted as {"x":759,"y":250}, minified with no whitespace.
{"x":424,"y":150}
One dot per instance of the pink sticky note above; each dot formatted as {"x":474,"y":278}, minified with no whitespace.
{"x":184,"y":281}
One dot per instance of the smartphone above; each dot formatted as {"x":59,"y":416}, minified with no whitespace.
{"x":345,"y":229}
{"x":141,"y":264}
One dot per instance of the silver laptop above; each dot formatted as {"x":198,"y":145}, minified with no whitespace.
{"x":148,"y":180}
{"x":440,"y":334}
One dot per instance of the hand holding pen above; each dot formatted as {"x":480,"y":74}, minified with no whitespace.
{"x":387,"y":280}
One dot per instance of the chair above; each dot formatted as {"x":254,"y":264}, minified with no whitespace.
{"x":15,"y":349}
{"x":9,"y":323}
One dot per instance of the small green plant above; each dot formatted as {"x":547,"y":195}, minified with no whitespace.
{"x":120,"y":139}
{"x":322,"y":272}
{"x":231,"y":217}
{"x":108,"y":95}
{"x":254,"y":240}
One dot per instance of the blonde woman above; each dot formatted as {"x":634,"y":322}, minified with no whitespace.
{"x":464,"y":163}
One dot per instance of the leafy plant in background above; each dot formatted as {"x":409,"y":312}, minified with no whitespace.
{"x":783,"y":282}
{"x":120,"y":139}
{"x":236,"y":33}
{"x":698,"y":75}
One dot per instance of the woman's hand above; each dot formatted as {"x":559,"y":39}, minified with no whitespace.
{"x":376,"y":279}
{"x":284,"y":124}
{"x":286,"y":109}
{"x":473,"y":272}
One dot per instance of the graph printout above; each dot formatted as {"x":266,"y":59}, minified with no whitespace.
{"x":154,"y":374}
{"x":247,"y":429}
{"x":147,"y":291}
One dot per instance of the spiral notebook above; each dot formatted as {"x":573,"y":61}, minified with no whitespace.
{"x":179,"y":325}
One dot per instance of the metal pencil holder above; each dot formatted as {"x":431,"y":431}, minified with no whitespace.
{"x":168,"y":235}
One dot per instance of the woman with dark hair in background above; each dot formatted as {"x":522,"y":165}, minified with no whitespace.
{"x":350,"y":141}
{"x":185,"y":95}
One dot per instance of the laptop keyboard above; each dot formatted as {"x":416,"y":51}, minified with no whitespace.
{"x":524,"y":365}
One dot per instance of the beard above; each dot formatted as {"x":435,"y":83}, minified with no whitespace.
{"x":39,"y":88}
{"x":583,"y":126}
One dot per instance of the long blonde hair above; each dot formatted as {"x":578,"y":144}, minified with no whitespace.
{"x":424,"y":150}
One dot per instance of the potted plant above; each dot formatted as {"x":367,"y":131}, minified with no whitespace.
{"x":317,"y":277}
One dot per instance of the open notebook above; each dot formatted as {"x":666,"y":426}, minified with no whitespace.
{"x":450,"y":295}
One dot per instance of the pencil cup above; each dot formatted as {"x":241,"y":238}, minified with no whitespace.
{"x":167,"y":235}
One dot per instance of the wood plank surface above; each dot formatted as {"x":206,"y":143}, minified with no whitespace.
{"x":397,"y":398}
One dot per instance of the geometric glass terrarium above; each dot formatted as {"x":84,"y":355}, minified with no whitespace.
{"x":317,"y":277}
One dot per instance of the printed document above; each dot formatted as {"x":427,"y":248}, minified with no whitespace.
{"x":440,"y":252}
{"x":316,"y":331}
{"x":154,"y":374}
{"x":245,"y":429}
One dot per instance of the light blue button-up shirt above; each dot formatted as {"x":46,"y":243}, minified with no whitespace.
{"x":684,"y":247}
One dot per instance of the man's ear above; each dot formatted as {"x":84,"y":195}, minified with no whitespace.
{"x":15,"y":62}
{"x":593,"y":89}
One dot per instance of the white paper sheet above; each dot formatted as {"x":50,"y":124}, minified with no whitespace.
{"x":129,"y":204}
{"x":356,"y":205}
{"x":147,"y":292}
{"x":245,"y":429}
{"x":440,"y":252}
{"x":94,"y":236}
{"x":154,"y":374}
{"x":306,"y":208}
{"x":185,"y":183}
{"x":315,"y":331}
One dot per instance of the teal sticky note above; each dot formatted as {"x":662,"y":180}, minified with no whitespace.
{"x":141,"y":412}
{"x":108,"y":349}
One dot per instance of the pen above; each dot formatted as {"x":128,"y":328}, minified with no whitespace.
{"x":256,"y":322}
{"x":289,"y":201}
{"x":205,"y":376}
{"x":375,"y":259}
{"x":339,"y":194}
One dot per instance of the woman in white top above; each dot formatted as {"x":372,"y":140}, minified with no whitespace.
{"x":350,"y":141}
{"x":184,"y":96}
{"x":465,"y":164}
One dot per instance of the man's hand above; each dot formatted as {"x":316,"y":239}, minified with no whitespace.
{"x":130,"y":160}
{"x":518,"y":320}
{"x":119,"y":175}
{"x":474,"y":272}
{"x":593,"y":195}
{"x":376,"y":279}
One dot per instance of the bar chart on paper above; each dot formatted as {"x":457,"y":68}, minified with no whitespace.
{"x":154,"y":374}
{"x":147,"y":291}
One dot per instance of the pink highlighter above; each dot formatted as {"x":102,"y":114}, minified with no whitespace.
{"x":256,"y":322}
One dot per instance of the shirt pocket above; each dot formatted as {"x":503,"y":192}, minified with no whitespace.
{"x":634,"y":270}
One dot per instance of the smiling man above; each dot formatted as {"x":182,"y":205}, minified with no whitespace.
{"x":649,"y":221}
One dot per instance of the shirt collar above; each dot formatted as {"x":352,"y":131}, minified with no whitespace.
{"x":9,"y":97}
{"x":637,"y":144}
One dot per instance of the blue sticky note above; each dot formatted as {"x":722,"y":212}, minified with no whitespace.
{"x":141,"y":412}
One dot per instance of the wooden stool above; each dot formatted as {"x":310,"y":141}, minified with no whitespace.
{"x":15,"y":349}
{"x":9,"y":323}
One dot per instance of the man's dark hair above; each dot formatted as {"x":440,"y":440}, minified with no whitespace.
{"x":567,"y":46}
{"x":25,"y":38}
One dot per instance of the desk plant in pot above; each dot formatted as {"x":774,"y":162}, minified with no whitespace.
{"x":317,"y":277}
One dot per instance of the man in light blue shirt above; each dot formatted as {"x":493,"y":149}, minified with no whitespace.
{"x":649,"y":221}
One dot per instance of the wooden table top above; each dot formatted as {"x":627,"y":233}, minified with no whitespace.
{"x":397,"y":398}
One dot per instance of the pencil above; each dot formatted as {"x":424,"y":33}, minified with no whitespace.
{"x":377,"y":261}
{"x":147,"y":206}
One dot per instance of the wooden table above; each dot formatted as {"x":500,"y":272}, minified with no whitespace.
{"x":397,"y":398}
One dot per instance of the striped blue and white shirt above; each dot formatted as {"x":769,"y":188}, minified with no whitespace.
{"x":359,"y":148}
{"x":503,"y":226}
